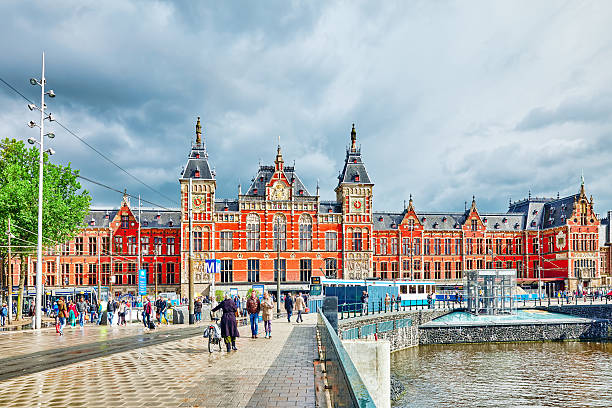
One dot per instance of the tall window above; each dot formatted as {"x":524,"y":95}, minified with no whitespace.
{"x":417,"y":246}
{"x":383,"y":246}
{"x":280,"y":232}
{"x":394,"y":245}
{"x":157,"y":241}
{"x":447,"y":246}
{"x":131,"y":274}
{"x":331,"y":268}
{"x":78,"y":274}
{"x":474,"y":224}
{"x":498,"y":246}
{"x":125,"y":221}
{"x":519,"y":269}
{"x":253,"y":234}
{"x":426,"y":247}
{"x":105,"y":273}
{"x":253,"y":270}
{"x":394,"y":270}
{"x":519,"y":246}
{"x":405,"y":246}
{"x":227,"y":270}
{"x":437,"y":269}
{"x":118,"y":247}
{"x":50,"y":276}
{"x":170,"y":273}
{"x":458,"y":271}
{"x":447,"y":270}
{"x":357,"y":240}
{"x":283,"y":269}
{"x":437,"y":246}
{"x":93,"y":246}
{"x":458,"y":246}
{"x":118,"y":273}
{"x":509,"y":246}
{"x":305,"y":233}
{"x":383,"y":270}
{"x":93,"y":274}
{"x":158,"y":272}
{"x":479,"y":246}
{"x":227,"y":241}
{"x":144,"y":245}
{"x":469,"y":247}
{"x":426,"y":270}
{"x":65,"y":274}
{"x":132,"y":247}
{"x":78,"y":246}
{"x":305,"y":270}
{"x":65,"y":249}
{"x":331,"y":241}
{"x":536,"y":245}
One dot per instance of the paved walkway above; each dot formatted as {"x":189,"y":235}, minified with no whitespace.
{"x":176,"y":372}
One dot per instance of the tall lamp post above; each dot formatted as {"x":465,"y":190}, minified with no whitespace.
{"x":41,"y":125}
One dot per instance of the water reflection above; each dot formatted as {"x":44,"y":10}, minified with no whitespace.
{"x":546,"y":374}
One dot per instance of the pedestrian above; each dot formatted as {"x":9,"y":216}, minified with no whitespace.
{"x":110,"y":311}
{"x":163,"y":310}
{"x":99,"y":312}
{"x":387,"y":301}
{"x":288,"y":306}
{"x":267,"y":307}
{"x":158,"y":309}
{"x":121,"y":312}
{"x":364,"y":301}
{"x":147,"y":309}
{"x":14,"y":307}
{"x":238,"y":303}
{"x":229,"y":327}
{"x":253,"y":307}
{"x":3,"y":314}
{"x":429,"y":300}
{"x":92,"y":312}
{"x":243,"y":303}
{"x":81,"y":307}
{"x":300,"y":306}
{"x":72,"y":310}
{"x":197,"y":309}
{"x":62,"y":313}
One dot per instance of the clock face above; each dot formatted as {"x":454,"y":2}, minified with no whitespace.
{"x":279,"y":191}
{"x":357,"y":205}
{"x":198,"y":202}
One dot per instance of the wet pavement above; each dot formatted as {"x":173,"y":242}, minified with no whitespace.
{"x":170,"y":366}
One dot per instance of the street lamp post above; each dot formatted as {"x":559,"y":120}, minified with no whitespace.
{"x":41,"y":126}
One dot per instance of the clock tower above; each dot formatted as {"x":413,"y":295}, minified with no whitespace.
{"x":354,"y":193}
{"x":198,"y":187}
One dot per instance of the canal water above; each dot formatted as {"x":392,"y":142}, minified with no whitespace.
{"x":534,"y":374}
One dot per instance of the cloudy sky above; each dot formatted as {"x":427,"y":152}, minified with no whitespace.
{"x":450,"y":99}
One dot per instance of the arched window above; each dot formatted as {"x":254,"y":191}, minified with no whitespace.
{"x":305,"y":233}
{"x":280,"y":232}
{"x":357,"y":240}
{"x":252,"y":222}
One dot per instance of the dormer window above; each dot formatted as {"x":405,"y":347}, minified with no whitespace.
{"x":92,"y":222}
{"x":261,"y":179}
{"x":380,"y":219}
{"x":170,"y":223}
{"x":533,"y":223}
{"x":145,"y":223}
{"x":535,"y":212}
{"x":423,"y":219}
{"x":393,"y":225}
{"x":497,"y":225}
{"x":197,"y":173}
{"x":226,"y":208}
{"x":485,"y":220}
{"x":435,"y":225}
{"x":158,"y":216}
{"x":356,"y":177}
{"x":301,"y":192}
{"x":516,"y":225}
{"x":505,"y":220}
{"x":197,"y":155}
{"x":330,"y":210}
{"x":443,"y":219}
{"x":354,"y":160}
{"x":254,"y":191}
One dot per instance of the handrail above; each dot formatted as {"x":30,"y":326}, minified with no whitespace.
{"x":347,"y":387}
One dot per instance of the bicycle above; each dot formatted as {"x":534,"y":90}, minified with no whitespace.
{"x":213,"y":332}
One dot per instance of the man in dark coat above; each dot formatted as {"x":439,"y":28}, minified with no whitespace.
{"x":229,"y":327}
{"x":253,"y":307}
{"x":289,"y":306}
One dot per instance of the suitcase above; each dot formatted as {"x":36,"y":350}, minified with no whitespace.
{"x":152,"y":325}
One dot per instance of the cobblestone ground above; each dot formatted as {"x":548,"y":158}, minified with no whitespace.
{"x":262,"y":373}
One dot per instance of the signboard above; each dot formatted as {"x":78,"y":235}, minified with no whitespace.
{"x":233,"y":292}
{"x":259,"y":289}
{"x":213,"y":266}
{"x":142,"y":282}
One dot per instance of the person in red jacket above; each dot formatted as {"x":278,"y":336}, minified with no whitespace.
{"x":253,"y":307}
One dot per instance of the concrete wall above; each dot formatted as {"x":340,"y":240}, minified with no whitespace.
{"x":588,"y":311}
{"x":511,"y":333}
{"x":372,"y":359}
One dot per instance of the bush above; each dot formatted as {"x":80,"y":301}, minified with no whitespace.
{"x":219,"y":295}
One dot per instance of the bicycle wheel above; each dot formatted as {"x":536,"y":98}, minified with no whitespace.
{"x":210,"y":344}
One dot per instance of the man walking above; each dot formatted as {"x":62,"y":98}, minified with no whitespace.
{"x":288,"y":306}
{"x":110,"y":311}
{"x":146,"y":313}
{"x":364,"y":301}
{"x":300,"y":306}
{"x":253,"y":307}
{"x":197,"y":309}
{"x":82,"y":309}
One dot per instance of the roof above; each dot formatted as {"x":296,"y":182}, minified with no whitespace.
{"x":150,"y":218}
{"x":354,"y":166}
{"x":330,"y":207}
{"x":265,"y":173}
{"x":450,"y":221}
{"x":221,"y":205}
{"x":542,"y":213}
{"x":197,"y":162}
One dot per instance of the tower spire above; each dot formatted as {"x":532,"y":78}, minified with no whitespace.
{"x":353,"y":138}
{"x":582,"y":184}
{"x":198,"y":133}
{"x":279,"y":162}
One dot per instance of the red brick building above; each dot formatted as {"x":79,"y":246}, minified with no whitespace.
{"x":279,"y":225}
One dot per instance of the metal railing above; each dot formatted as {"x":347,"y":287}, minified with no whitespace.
{"x":367,"y":330}
{"x":348,"y":310}
{"x":346,"y":388}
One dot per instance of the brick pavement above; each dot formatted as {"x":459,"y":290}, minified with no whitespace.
{"x":263,"y":372}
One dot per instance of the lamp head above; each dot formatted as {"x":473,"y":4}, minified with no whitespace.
{"x":51,"y":117}
{"x":50,"y":135}
{"x":50,"y":151}
{"x":31,"y":140}
{"x":33,"y":81}
{"x":32,"y":124}
{"x":51,"y":93}
{"x":31,"y":106}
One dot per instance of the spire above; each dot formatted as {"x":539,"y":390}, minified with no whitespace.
{"x":353,"y":138}
{"x":279,"y":162}
{"x":317,"y":187}
{"x":582,"y":194}
{"x":473,"y":207}
{"x":239,"y":189}
{"x":198,"y":133}
{"x":410,"y":204}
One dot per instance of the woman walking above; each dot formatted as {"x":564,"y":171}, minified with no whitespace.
{"x":122,"y":310}
{"x":73,"y":313}
{"x":267,"y":307}
{"x":62,"y":314}
{"x":229,"y":327}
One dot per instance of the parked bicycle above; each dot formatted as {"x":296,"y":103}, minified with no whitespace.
{"x":213,"y":332}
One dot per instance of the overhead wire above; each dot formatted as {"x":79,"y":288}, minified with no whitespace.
{"x":92,"y":147}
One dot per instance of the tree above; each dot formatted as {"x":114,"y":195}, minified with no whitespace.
{"x":65,"y":205}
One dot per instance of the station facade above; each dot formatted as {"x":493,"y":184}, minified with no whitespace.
{"x":278,"y":226}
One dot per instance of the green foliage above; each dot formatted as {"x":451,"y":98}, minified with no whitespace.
{"x":65,"y":205}
{"x":250,"y":291}
{"x":219,"y":294}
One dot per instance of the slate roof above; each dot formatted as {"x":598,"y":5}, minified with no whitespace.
{"x":232,"y":205}
{"x":545,"y":212}
{"x":150,"y":218}
{"x":353,"y":166}
{"x":450,"y":221}
{"x":198,"y":160}
{"x":326,"y":206}
{"x":265,"y":173}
